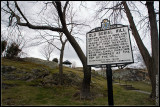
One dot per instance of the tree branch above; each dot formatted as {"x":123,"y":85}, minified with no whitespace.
{"x":61,"y":34}
{"x":20,"y":11}
{"x":29,"y":24}
{"x":72,"y":23}
{"x":64,"y":9}
{"x":60,"y":14}
{"x":48,"y":41}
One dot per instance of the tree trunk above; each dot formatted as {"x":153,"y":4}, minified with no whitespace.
{"x":144,"y":52}
{"x":155,"y":46}
{"x":85,"y":91}
{"x":61,"y":65}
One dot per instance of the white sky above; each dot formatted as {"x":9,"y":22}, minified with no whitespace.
{"x":31,"y":9}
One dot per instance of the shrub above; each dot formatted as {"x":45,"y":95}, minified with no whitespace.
{"x":12,"y":51}
{"x":3,"y":44}
{"x":55,"y":60}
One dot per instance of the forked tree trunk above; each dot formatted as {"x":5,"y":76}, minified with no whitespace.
{"x":85,"y":91}
{"x":149,"y":61}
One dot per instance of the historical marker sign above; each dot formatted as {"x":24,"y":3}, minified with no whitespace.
{"x":106,"y":46}
{"x":110,"y":46}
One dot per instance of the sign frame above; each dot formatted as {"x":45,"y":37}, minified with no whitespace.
{"x":98,"y":29}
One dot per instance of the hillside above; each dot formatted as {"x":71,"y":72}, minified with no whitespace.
{"x":26,"y":82}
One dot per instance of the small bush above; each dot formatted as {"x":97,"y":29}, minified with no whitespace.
{"x":12,"y":51}
{"x":3,"y":44}
{"x":55,"y":60}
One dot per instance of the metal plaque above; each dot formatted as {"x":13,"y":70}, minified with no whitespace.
{"x":110,"y":46}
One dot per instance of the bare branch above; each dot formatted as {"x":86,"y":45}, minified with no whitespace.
{"x":47,"y":50}
{"x":61,"y":34}
{"x":60,"y":14}
{"x":29,"y":24}
{"x":77,"y":24}
{"x":54,"y":4}
{"x":41,"y":27}
{"x":20,"y":11}
{"x":64,"y":9}
{"x":135,"y":8}
{"x":142,"y":2}
{"x":48,"y":41}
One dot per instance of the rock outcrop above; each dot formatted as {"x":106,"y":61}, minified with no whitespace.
{"x":129,"y":74}
{"x":50,"y":64}
{"x":13,"y":73}
{"x":38,"y":76}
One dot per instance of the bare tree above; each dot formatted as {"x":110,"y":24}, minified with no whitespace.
{"x":50,"y":39}
{"x":46,"y":51}
{"x":22,"y":20}
{"x":149,"y":22}
{"x":150,"y":61}
{"x":63,"y":40}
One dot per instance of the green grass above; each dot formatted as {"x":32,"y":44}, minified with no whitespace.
{"x":59,"y":95}
{"x":23,"y":93}
{"x":138,"y":85}
{"x":129,"y":97}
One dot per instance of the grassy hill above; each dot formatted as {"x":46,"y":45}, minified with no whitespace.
{"x":29,"y":83}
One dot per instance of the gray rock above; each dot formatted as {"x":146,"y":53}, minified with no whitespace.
{"x":10,"y":76}
{"x":12,"y":73}
{"x":7,"y":69}
{"x":130,"y":75}
{"x":50,"y":64}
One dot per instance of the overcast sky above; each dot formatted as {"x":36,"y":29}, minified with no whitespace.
{"x":31,"y":9}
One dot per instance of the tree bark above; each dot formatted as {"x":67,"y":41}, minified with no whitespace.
{"x":61,"y":65}
{"x":85,"y":90}
{"x":155,"y":46}
{"x":144,"y":52}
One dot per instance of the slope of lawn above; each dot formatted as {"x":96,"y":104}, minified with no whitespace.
{"x":24,"y":92}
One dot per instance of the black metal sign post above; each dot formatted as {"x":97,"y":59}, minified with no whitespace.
{"x":109,"y":84}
